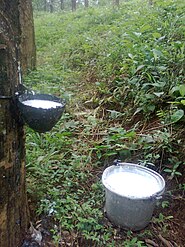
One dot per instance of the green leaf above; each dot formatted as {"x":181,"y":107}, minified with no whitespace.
{"x":151,"y":108}
{"x":130,"y":134}
{"x":137,"y":34}
{"x":130,"y":56}
{"x":162,"y":68}
{"x":157,"y":53}
{"x":183,"y":102}
{"x":174,"y":89}
{"x":145,"y":28}
{"x":40,"y":158}
{"x":156,"y":35}
{"x":176,"y":116}
{"x":178,"y":173}
{"x":182,"y":90}
{"x":168,"y":170}
{"x":159,"y":94}
{"x":140,"y":67}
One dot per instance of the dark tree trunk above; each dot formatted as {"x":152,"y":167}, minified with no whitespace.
{"x":45,"y":5}
{"x":151,"y":2}
{"x":62,"y":4}
{"x":86,"y":3}
{"x":51,"y":6}
{"x":73,"y":2}
{"x":28,"y":48}
{"x":116,"y":2}
{"x":13,"y":199}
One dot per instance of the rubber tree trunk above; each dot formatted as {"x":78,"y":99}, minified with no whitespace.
{"x":86,"y":3}
{"x":116,"y":2}
{"x":51,"y":6}
{"x":27,"y":48}
{"x":13,"y":199}
{"x":62,"y":4}
{"x":73,"y":3}
{"x":45,"y":5}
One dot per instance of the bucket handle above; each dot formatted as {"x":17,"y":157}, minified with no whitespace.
{"x":117,"y":162}
{"x":158,"y":195}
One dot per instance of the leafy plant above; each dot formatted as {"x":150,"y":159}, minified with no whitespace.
{"x":134,"y":242}
{"x":173,"y":170}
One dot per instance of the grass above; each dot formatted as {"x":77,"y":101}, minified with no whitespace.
{"x":118,"y":69}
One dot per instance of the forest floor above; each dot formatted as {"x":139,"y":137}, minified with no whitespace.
{"x":166,"y":228}
{"x":163,"y":232}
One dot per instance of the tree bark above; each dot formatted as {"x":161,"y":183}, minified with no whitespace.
{"x":13,"y":199}
{"x":62,"y":4}
{"x":28,"y":48}
{"x":151,"y":2}
{"x":45,"y":5}
{"x":86,"y":3}
{"x":116,"y":2}
{"x":51,"y":6}
{"x":73,"y":2}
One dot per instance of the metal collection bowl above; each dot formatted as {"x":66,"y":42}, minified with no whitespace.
{"x":38,"y":118}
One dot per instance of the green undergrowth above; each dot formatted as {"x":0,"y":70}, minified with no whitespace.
{"x":121,"y":73}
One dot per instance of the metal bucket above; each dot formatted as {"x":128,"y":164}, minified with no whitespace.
{"x":131,"y":194}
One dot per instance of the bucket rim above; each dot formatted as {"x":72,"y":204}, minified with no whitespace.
{"x":41,"y":96}
{"x":156,"y":195}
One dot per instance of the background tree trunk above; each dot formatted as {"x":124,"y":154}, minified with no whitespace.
{"x":86,"y":3}
{"x":51,"y":6}
{"x":62,"y":4}
{"x":45,"y":5}
{"x":116,"y":2}
{"x":13,"y":199}
{"x":28,"y":48}
{"x":151,"y":2}
{"x":73,"y":2}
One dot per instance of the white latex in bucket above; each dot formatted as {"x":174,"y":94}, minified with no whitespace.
{"x":131,"y":193}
